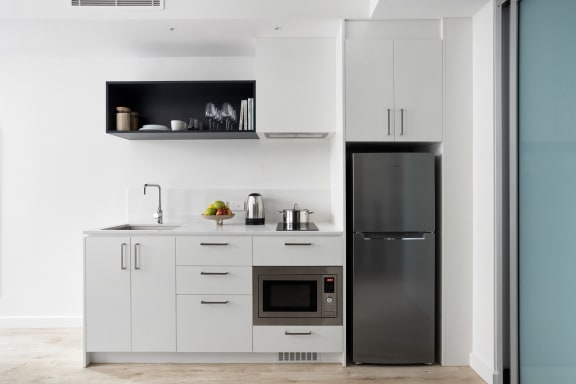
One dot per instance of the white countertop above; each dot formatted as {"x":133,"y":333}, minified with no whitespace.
{"x":211,"y":228}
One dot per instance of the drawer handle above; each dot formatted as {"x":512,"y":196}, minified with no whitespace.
{"x":214,"y":302}
{"x":213,"y":243}
{"x":287,"y":333}
{"x":214,"y":273}
{"x":297,"y":243}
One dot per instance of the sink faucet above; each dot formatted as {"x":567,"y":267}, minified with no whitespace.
{"x":158,"y":214}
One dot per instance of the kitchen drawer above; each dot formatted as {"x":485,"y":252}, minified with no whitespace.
{"x":297,"y":339}
{"x":297,"y":250}
{"x":214,"y":250}
{"x":213,"y":280}
{"x":214,"y":327}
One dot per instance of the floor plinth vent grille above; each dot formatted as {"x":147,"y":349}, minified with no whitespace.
{"x":134,"y":4}
{"x":297,"y":356}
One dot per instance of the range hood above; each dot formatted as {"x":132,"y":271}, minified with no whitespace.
{"x":294,"y":135}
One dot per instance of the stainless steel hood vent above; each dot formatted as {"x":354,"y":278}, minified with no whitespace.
{"x":143,"y":4}
{"x":296,"y":135}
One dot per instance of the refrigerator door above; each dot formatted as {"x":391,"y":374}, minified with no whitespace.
{"x":393,"y":192}
{"x":393,"y":317}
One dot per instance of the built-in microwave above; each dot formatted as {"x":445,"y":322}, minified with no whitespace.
{"x":297,"y":295}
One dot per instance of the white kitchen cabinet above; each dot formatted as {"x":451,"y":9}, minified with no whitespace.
{"x":213,"y":280}
{"x":107,"y":315}
{"x":130,"y":294}
{"x":214,"y":288}
{"x":298,"y":339}
{"x":153,"y":294}
{"x":215,"y":323}
{"x":393,"y":90}
{"x":214,"y":250}
{"x":297,"y":250}
{"x":296,"y":85}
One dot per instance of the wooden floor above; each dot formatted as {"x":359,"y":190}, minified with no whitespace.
{"x":55,"y":356}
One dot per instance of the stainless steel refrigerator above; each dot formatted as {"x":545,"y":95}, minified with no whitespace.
{"x":393,"y":282}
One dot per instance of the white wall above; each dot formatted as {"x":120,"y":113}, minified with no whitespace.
{"x":483,"y":342}
{"x":456,"y":263}
{"x":60,"y":173}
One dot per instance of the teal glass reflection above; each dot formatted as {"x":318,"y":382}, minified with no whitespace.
{"x":547,"y":191}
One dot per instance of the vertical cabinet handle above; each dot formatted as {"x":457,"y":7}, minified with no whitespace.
{"x":402,"y":122}
{"x":388,"y":121}
{"x":137,"y":256}
{"x":123,"y":256}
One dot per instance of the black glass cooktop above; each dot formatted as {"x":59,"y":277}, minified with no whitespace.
{"x":296,"y":227}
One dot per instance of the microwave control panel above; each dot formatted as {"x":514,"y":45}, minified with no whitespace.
{"x":329,"y":308}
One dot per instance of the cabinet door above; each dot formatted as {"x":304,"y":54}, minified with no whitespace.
{"x":107,"y":294}
{"x":369,"y":90}
{"x":213,"y":280}
{"x":214,"y":250}
{"x":298,"y":339}
{"x":296,"y":85}
{"x":153,"y":294}
{"x":297,"y":250}
{"x":214,"y":323}
{"x":418,"y":90}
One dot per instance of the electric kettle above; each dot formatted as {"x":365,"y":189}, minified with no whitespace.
{"x":254,"y":209}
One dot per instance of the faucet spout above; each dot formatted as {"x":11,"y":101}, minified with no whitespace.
{"x":158,"y":215}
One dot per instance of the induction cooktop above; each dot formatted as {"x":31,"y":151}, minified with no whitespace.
{"x":296,"y":227}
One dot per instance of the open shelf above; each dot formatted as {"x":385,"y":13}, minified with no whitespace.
{"x":159,"y":102}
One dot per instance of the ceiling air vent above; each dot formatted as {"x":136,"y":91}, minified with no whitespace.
{"x":143,"y":4}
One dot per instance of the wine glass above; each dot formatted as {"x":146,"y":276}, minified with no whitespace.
{"x":210,"y":114}
{"x":226,"y":112}
{"x":233,"y":117}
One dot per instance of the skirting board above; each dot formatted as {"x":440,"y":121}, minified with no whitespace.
{"x":205,"y":358}
{"x":481,"y":369}
{"x":41,"y":322}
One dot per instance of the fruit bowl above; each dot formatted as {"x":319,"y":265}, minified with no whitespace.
{"x":218,"y":218}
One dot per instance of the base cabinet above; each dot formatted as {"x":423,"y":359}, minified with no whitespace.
{"x":107,"y":294}
{"x":193,"y":294}
{"x":214,"y":323}
{"x":130,"y":294}
{"x":298,"y":339}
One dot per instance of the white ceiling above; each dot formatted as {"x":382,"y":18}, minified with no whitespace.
{"x":53,"y":28}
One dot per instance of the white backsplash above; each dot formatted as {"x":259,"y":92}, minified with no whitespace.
{"x":187,"y":205}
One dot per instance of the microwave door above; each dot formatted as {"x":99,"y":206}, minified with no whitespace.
{"x":293,"y":297}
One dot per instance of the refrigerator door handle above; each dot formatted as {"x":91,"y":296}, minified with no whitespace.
{"x":395,"y":236}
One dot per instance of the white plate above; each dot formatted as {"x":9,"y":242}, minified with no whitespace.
{"x":154,"y":127}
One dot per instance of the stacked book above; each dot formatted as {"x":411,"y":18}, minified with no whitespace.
{"x":246,"y":122}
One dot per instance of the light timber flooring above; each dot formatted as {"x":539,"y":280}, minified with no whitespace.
{"x":54,"y":356}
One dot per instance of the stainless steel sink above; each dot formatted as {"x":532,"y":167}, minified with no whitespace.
{"x":142,"y":227}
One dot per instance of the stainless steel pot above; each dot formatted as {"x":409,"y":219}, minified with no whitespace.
{"x":295,"y":216}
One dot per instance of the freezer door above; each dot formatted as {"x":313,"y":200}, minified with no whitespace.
{"x":393,"y":192}
{"x":393,"y":301}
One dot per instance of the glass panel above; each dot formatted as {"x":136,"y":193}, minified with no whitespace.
{"x":290,"y":296}
{"x":547,"y":191}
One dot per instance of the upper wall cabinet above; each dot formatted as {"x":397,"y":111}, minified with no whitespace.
{"x":157,"y":103}
{"x":296,"y":86}
{"x":393,"y":90}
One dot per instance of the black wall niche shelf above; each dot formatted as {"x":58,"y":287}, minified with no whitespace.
{"x":159,"y":102}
